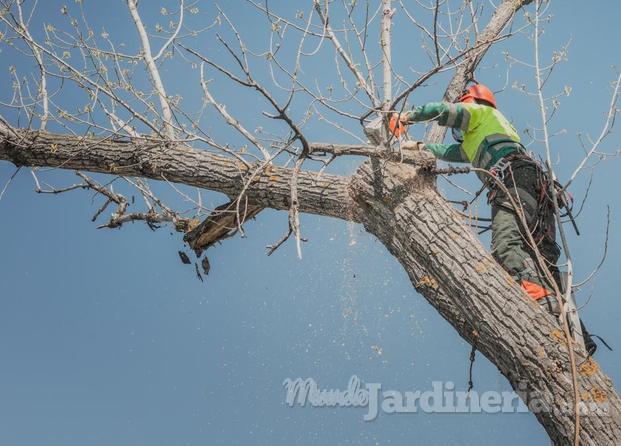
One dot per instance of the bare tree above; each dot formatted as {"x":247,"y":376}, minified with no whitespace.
{"x":132,"y":129}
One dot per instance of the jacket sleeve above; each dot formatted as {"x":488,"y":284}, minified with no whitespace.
{"x":446,"y":113}
{"x":448,"y":152}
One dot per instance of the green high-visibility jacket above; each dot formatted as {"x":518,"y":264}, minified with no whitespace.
{"x":487,"y":134}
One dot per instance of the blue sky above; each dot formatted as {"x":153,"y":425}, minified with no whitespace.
{"x":108,"y":339}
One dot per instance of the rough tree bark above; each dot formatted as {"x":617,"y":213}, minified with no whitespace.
{"x":400,"y":205}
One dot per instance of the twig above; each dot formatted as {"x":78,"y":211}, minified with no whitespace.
{"x":153,"y":70}
{"x":9,"y":182}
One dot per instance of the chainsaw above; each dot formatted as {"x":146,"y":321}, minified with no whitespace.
{"x":375,"y":130}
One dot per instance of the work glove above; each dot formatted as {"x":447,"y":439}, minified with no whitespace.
{"x":413,"y":145}
{"x":404,"y":118}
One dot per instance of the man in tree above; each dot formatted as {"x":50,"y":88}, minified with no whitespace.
{"x":487,"y":140}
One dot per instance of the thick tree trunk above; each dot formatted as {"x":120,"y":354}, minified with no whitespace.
{"x":400,"y":205}
{"x":447,"y":264}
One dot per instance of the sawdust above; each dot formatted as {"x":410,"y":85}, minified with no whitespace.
{"x":588,"y":367}
{"x":428,"y":281}
{"x":557,"y":335}
{"x":541,"y":352}
{"x":598,"y":395}
{"x":482,"y":266}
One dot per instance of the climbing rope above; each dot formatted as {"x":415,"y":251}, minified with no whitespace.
{"x":473,"y":351}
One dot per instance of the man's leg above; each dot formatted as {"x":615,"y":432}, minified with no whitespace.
{"x":509,"y":250}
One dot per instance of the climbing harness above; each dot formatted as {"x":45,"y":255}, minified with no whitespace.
{"x":498,"y":170}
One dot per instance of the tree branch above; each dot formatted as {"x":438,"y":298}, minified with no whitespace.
{"x":318,"y":193}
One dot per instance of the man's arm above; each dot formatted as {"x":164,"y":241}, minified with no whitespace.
{"x":448,"y":152}
{"x":446,"y":113}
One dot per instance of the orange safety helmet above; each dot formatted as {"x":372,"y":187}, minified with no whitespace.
{"x":478,"y":91}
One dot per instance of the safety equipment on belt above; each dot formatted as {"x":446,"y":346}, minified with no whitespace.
{"x":480,"y":92}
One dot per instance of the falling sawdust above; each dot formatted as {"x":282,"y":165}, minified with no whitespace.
{"x":349,"y":299}
{"x":353,"y":327}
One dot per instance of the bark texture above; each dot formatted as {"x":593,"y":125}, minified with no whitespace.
{"x":448,"y":266}
{"x":400,"y":205}
{"x":222,"y":223}
{"x":263,"y":184}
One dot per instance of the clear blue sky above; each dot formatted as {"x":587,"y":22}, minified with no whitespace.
{"x":106,"y":338}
